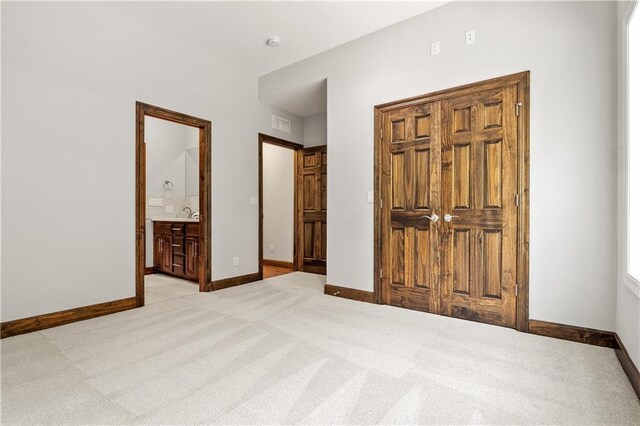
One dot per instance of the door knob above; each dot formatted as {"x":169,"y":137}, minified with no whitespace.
{"x":448,"y":217}
{"x":434,"y":217}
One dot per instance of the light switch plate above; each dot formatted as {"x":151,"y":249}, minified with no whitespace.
{"x":155,"y":202}
{"x":236,"y":261}
{"x":370,"y":197}
{"x":253,"y":200}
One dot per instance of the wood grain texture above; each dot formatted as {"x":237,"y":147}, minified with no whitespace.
{"x":458,"y":90}
{"x":41,"y":322}
{"x":297,"y":149}
{"x":312,"y":209}
{"x":234,"y":281}
{"x":176,"y":246}
{"x":522,"y":304}
{"x":475,"y":123}
{"x":410,"y":191}
{"x":349,"y":293}
{"x":630,"y":369}
{"x":274,"y":271}
{"x":204,"y":243}
{"x":479,"y":186}
{"x":278,"y":263}
{"x":573,"y":333}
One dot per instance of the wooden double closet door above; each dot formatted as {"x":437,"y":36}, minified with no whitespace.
{"x":449,"y":208}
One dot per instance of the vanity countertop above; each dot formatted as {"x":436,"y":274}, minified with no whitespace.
{"x":176,"y":219}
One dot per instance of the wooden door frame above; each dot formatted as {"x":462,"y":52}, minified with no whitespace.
{"x":204,"y":256}
{"x":522,"y":80}
{"x":297,"y":212}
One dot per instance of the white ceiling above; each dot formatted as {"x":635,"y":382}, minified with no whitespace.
{"x":238,"y":30}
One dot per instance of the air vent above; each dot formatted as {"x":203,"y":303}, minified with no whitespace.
{"x":280,"y":123}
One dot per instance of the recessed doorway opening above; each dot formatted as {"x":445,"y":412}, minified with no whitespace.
{"x":278,"y":169}
{"x":173,"y":204}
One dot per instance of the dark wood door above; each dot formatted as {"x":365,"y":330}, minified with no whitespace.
{"x":312,"y":205}
{"x":479,"y":187}
{"x":410,"y":155}
{"x":191,"y":257}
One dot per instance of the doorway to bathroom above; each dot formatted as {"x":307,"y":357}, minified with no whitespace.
{"x":173,"y":204}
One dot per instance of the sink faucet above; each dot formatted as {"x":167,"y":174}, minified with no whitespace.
{"x":188,"y":211}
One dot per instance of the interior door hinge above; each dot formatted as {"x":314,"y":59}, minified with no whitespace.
{"x":380,"y":202}
{"x":380,"y":133}
{"x":518,"y":105}
{"x":380,"y":272}
{"x":517,"y":200}
{"x":516,"y":290}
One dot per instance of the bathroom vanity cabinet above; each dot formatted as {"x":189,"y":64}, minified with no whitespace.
{"x":175,"y":248}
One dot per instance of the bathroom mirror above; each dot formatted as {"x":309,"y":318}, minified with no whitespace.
{"x":172,"y":169}
{"x":191,"y":172}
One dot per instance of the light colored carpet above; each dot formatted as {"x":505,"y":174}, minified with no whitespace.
{"x":279,"y":351}
{"x":160,"y":288}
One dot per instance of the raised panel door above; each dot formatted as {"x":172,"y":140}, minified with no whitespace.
{"x":479,"y":186}
{"x":313,"y":195}
{"x":410,"y":154}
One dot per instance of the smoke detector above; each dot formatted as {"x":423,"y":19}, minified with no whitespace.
{"x":273,"y":41}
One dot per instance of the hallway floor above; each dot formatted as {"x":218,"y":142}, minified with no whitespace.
{"x":280,"y":351}
{"x":274,"y":271}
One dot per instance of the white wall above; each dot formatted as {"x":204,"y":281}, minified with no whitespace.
{"x":628,"y":295}
{"x":570,"y":50}
{"x":165,"y":156}
{"x":315,"y":130}
{"x":264,"y":123}
{"x":278,"y":206}
{"x":71,"y":73}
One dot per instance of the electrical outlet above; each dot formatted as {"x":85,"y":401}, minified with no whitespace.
{"x":435,"y":48}
{"x":470,"y":37}
{"x":236,"y":261}
{"x":370,"y":197}
{"x":253,"y":200}
{"x":168,"y":209}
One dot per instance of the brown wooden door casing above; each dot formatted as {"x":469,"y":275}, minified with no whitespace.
{"x":204,"y":237}
{"x":411,"y":144}
{"x":312,"y":207}
{"x":481,"y":254}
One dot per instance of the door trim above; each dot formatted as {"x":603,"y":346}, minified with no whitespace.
{"x":522,"y":80}
{"x":297,"y":149}
{"x":204,"y":255}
